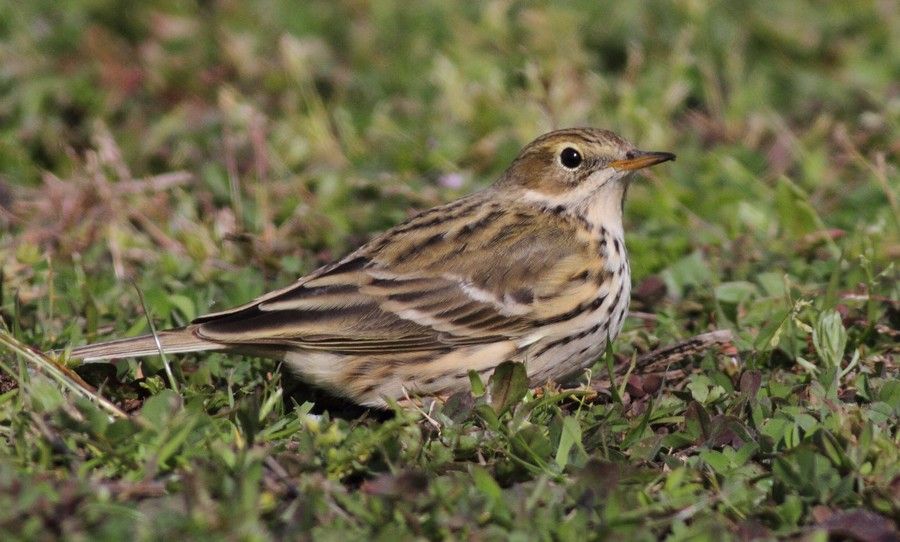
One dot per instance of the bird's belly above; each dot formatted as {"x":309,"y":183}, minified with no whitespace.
{"x":570,"y":350}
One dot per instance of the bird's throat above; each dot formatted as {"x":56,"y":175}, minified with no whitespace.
{"x":603,"y":209}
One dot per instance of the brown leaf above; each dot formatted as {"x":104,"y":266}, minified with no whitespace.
{"x":750,"y":383}
{"x":459,"y":405}
{"x":860,"y":525}
{"x":406,"y":484}
{"x":600,"y":478}
{"x":635,"y":386}
{"x":651,"y":383}
{"x":649,"y":292}
{"x":821,"y":513}
{"x":751,"y":529}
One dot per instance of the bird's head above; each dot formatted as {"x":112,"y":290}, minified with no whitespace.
{"x":577,"y":159}
{"x":574,"y":167}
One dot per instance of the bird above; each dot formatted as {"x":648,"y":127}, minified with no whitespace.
{"x":531,"y":269}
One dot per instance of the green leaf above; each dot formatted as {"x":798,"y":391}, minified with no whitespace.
{"x":509,"y":384}
{"x":486,"y":484}
{"x":880,"y":412}
{"x":159,"y":409}
{"x":776,"y":428}
{"x":690,"y":271}
{"x":806,"y":422}
{"x":744,"y":454}
{"x":699,"y":387}
{"x":830,"y":338}
{"x":831,"y":448}
{"x":697,"y":421}
{"x":45,"y":394}
{"x":773,"y":284}
{"x":569,"y":437}
{"x":716,"y":460}
{"x":795,"y":213}
{"x":476,"y":384}
{"x":184,"y":304}
{"x":532,"y":444}
{"x":735,"y":292}
{"x":790,"y":511}
{"x":488,"y":416}
{"x":637,"y":432}
{"x":176,"y":439}
{"x":890,"y":393}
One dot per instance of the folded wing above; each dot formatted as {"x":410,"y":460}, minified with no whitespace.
{"x":462,"y":275}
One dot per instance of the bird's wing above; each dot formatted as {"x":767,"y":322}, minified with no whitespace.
{"x":468,"y":273}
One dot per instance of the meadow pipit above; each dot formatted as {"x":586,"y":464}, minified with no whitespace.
{"x":532,"y":269}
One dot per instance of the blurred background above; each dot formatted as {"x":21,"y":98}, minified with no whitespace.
{"x":176,"y":127}
{"x":209,"y":150}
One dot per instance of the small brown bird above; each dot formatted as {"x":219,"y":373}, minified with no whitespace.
{"x":532,"y":269}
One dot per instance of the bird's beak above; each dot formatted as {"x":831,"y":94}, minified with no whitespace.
{"x":641,"y":159}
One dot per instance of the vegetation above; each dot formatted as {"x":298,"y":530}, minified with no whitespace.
{"x":160,"y":160}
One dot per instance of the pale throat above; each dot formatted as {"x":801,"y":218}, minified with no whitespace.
{"x":598,"y":201}
{"x":604,"y":212}
{"x":603,"y":208}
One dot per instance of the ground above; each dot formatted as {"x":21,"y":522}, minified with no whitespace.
{"x":159,"y":160}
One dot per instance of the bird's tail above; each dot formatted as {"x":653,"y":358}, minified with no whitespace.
{"x":174,"y":341}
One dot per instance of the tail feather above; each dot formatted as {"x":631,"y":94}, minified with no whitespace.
{"x":175,"y":341}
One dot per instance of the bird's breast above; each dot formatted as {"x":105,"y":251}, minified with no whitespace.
{"x":567,"y":347}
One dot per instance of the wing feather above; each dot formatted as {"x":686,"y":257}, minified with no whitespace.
{"x":478,"y":277}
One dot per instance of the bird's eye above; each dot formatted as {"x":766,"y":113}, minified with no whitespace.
{"x":570,"y":158}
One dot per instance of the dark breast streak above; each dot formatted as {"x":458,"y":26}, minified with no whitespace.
{"x":581,"y":347}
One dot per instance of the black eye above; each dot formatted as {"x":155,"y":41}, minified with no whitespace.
{"x":570,"y":158}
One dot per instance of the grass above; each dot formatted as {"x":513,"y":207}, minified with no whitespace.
{"x":203,"y":152}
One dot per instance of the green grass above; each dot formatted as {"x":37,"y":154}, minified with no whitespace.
{"x":207,"y":151}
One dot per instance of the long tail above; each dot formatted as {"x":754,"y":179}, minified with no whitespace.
{"x":174,"y":341}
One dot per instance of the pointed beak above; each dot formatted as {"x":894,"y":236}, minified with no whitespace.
{"x":641,"y":159}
